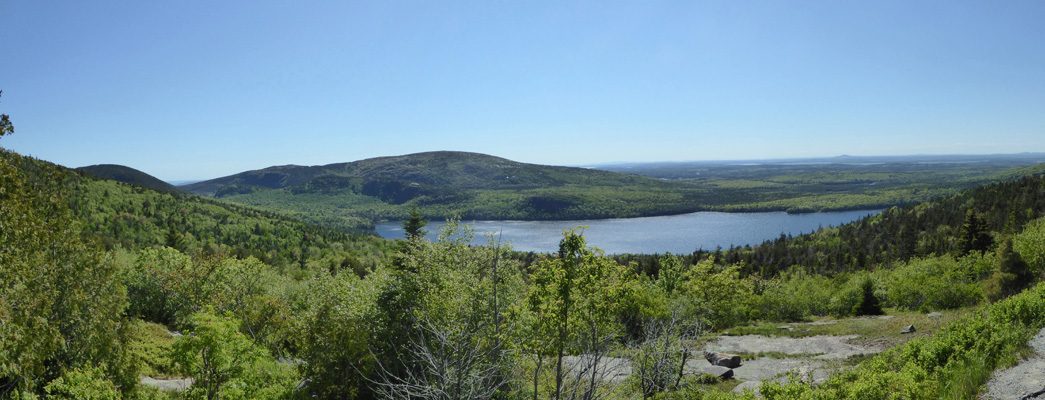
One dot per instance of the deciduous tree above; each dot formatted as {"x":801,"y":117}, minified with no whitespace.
{"x":572,"y":306}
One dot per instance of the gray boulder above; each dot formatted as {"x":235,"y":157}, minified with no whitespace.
{"x":908,"y":329}
{"x":721,"y":372}
{"x":722,"y":359}
{"x":935,"y":315}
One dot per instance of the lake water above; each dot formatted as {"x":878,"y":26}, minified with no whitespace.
{"x":677,"y":234}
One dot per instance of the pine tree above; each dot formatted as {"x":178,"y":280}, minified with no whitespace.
{"x":868,"y":304}
{"x":414,"y":226}
{"x":973,"y":234}
{"x":1012,"y":276}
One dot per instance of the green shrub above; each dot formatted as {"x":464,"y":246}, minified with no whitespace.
{"x":794,"y":296}
{"x":89,"y":383}
{"x":934,"y":283}
{"x":1030,"y":244}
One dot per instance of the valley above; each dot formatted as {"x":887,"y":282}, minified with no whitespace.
{"x":322,"y":308}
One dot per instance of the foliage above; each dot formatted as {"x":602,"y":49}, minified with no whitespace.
{"x":572,"y":308}
{"x":60,"y":297}
{"x":973,"y":235}
{"x":897,"y":234}
{"x":868,"y":303}
{"x":795,"y":295}
{"x":455,"y":341}
{"x":719,"y":296}
{"x":936,"y":283}
{"x":6,"y":127}
{"x":132,"y":217}
{"x":1030,"y":244}
{"x":335,"y":332}
{"x":88,"y":383}
{"x":151,"y":345}
{"x":129,"y":175}
{"x":225,"y":363}
{"x":452,"y":320}
{"x":1012,"y":275}
{"x":414,"y":226}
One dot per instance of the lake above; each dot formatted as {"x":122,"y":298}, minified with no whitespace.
{"x":677,"y":234}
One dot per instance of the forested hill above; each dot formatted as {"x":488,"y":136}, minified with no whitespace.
{"x":130,"y":175}
{"x":446,"y":169}
{"x":132,"y":217}
{"x":974,"y":220}
{"x":445,"y":184}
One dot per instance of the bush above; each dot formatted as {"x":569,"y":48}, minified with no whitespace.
{"x":1030,"y":244}
{"x":935,"y":283}
{"x":224,"y":362}
{"x":87,"y":383}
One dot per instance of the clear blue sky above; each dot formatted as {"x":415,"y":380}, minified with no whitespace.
{"x":194,"y":90}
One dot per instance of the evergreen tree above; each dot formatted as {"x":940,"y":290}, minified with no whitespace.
{"x":414,"y":226}
{"x":1012,"y":276}
{"x":868,"y":303}
{"x":173,"y":239}
{"x":973,"y":234}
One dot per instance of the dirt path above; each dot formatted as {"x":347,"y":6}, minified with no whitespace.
{"x":1026,"y":380}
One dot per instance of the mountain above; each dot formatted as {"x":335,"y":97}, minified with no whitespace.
{"x":129,"y":175}
{"x":447,"y":184}
{"x":444,"y":169}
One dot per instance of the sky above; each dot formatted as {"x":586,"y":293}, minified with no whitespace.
{"x":188,"y":90}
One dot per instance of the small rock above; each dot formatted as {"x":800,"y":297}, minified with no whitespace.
{"x":908,"y":329}
{"x":175,"y":333}
{"x":719,"y":371}
{"x":785,"y":327}
{"x":935,"y":315}
{"x":722,"y":359}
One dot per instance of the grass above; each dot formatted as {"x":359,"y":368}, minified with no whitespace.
{"x":875,"y":332}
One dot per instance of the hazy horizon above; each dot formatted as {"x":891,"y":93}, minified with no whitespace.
{"x":760,"y":161}
{"x":196,"y":90}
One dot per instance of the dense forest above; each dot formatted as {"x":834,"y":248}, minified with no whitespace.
{"x":105,"y":283}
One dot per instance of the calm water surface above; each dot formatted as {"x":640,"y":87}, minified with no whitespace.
{"x":678,"y":234}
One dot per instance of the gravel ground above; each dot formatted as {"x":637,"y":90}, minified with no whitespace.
{"x":1026,"y":380}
